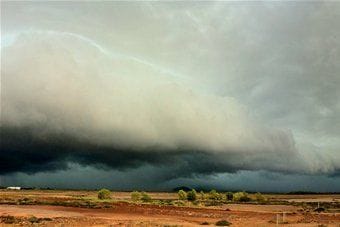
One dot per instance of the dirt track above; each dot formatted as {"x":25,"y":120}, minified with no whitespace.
{"x":125,"y":214}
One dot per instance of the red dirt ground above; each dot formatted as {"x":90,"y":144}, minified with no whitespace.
{"x":125,"y":214}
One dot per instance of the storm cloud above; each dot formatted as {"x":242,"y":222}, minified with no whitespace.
{"x":190,"y":91}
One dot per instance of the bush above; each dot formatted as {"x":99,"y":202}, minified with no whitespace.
{"x":7,"y":219}
{"x":178,"y":203}
{"x":192,"y":195}
{"x":223,"y":223}
{"x":136,"y":196}
{"x":145,"y":197}
{"x":34,"y":219}
{"x":241,"y":197}
{"x":196,"y":203}
{"x":214,"y":195}
{"x":104,"y":194}
{"x":202,"y":195}
{"x":182,"y":195}
{"x":260,"y":198}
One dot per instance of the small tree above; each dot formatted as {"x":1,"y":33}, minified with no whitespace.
{"x":104,"y":194}
{"x":192,"y":195}
{"x":182,"y":195}
{"x":145,"y":197}
{"x":135,"y":196}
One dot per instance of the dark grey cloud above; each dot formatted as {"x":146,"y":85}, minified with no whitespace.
{"x":147,"y":178}
{"x":192,"y":89}
{"x":23,"y":150}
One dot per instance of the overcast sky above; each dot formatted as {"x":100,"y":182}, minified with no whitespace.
{"x":153,"y":95}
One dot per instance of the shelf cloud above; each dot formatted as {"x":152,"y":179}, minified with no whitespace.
{"x":189,"y":100}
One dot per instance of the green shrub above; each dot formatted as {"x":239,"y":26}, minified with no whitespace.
{"x":196,"y":203}
{"x":223,"y":223}
{"x":260,"y":198}
{"x":136,"y":196}
{"x":241,"y":197}
{"x":192,"y":195}
{"x":145,"y":197}
{"x":202,"y":195}
{"x":182,"y":195}
{"x":229,"y":196}
{"x":104,"y":194}
{"x":178,"y":203}
{"x":34,"y":219}
{"x":214,"y":195}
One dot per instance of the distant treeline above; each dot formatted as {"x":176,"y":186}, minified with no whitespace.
{"x":204,"y":189}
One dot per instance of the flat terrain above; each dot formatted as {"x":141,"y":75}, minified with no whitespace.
{"x":82,"y":208}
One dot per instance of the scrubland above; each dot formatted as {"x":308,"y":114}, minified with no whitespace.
{"x":184,"y":208}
